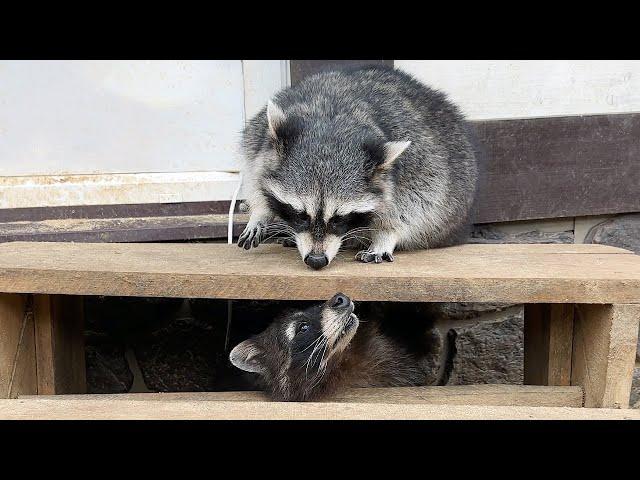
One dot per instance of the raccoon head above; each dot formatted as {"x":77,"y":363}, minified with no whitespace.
{"x":329,"y":178}
{"x":296,"y":354}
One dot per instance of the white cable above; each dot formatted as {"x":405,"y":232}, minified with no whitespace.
{"x":232,"y":209}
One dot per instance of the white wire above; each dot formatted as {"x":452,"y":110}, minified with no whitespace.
{"x":232,"y":209}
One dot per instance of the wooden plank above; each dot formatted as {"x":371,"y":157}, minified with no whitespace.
{"x":134,"y":229}
{"x":17,"y":349}
{"x":468,"y":273}
{"x":548,"y":340}
{"x":35,"y":408}
{"x":505,"y":395}
{"x":304,"y":68}
{"x":559,"y":167}
{"x":604,"y":346}
{"x":60,"y":356}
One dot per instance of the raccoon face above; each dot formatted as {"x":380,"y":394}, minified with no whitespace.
{"x":293,"y":354}
{"x":329,"y":180}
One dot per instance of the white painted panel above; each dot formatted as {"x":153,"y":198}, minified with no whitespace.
{"x":70,"y":117}
{"x":110,"y":189}
{"x":488,"y":89}
{"x":262,"y":79}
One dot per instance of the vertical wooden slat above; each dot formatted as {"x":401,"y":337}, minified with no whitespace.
{"x":59,"y":344}
{"x":604,"y":346}
{"x":548,"y":338}
{"x":17,"y":350}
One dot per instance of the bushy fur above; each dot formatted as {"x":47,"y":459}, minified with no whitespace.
{"x":329,"y":158}
{"x":335,"y":353}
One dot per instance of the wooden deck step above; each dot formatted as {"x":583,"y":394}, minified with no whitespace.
{"x":497,"y":395}
{"x":468,"y":273}
{"x":112,"y":408}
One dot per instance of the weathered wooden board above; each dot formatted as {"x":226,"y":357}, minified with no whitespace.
{"x":468,"y":273}
{"x":17,"y":348}
{"x":36,"y":408}
{"x":133,"y":229}
{"x":604,"y":346}
{"x":60,"y":355}
{"x":548,"y":340}
{"x":506,"y":395}
{"x":559,"y":167}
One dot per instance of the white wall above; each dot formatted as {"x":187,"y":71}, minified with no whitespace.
{"x":90,"y":132}
{"x":492,"y":89}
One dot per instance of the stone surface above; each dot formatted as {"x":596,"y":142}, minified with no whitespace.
{"x":492,"y":234}
{"x":622,"y":231}
{"x":635,"y":389}
{"x":490,"y":352}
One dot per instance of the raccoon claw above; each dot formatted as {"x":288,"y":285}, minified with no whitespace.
{"x":251,"y":236}
{"x":368,"y":257}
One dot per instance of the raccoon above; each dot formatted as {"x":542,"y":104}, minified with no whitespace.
{"x":368,"y":156}
{"x":314,"y":353}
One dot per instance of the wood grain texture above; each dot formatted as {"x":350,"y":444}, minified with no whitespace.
{"x":60,"y":357}
{"x":17,"y":349}
{"x":548,"y":340}
{"x":559,"y":167}
{"x":61,"y":408}
{"x":133,"y":229}
{"x":468,"y":273}
{"x":604,"y":347}
{"x":506,"y":395}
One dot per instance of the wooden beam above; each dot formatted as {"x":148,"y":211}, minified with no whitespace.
{"x":558,"y":167}
{"x":548,"y":340}
{"x":505,"y":395}
{"x":466,"y":273}
{"x":604,"y":346}
{"x":17,"y":349}
{"x":29,"y":409}
{"x":59,"y":344}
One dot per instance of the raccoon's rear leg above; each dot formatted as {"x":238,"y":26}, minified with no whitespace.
{"x":382,"y":246}
{"x":449,"y":352}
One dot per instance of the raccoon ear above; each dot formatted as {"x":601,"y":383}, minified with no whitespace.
{"x":275,"y":118}
{"x":246,"y":356}
{"x":393,"y":150}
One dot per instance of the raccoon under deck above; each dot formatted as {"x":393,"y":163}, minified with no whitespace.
{"x":582,"y":303}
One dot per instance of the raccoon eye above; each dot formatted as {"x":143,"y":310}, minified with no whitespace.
{"x":301,"y":218}
{"x":302,"y":327}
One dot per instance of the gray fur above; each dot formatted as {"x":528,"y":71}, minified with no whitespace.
{"x":314,"y":156}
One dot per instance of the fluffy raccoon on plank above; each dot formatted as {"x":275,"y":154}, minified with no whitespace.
{"x":313,"y":353}
{"x":369,"y":155}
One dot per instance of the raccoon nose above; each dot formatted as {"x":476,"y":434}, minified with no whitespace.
{"x":340,"y":300}
{"x":316,"y":261}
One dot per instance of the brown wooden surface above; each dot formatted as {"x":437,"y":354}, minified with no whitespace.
{"x":62,"y":408}
{"x":548,"y":339}
{"x":604,"y":346}
{"x":304,"y":68}
{"x":559,"y":167}
{"x":17,"y":349}
{"x":133,"y":229}
{"x":469,"y":273}
{"x":506,"y":395}
{"x":60,"y":352}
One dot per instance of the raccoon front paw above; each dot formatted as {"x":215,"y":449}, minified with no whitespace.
{"x":251,"y":236}
{"x":368,"y":256}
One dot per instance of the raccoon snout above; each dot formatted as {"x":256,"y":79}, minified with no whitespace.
{"x":316,"y":261}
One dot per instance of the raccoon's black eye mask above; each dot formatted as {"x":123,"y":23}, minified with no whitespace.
{"x":287,"y":212}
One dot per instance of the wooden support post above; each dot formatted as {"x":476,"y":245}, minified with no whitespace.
{"x":604,"y":345}
{"x":59,"y":344}
{"x":548,"y":338}
{"x":17,"y":349}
